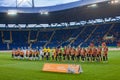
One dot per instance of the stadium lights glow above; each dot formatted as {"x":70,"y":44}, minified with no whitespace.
{"x":93,"y":5}
{"x":115,"y":1}
{"x":44,"y":12}
{"x":12,"y":12}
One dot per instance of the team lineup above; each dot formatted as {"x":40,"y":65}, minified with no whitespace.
{"x":91,"y":53}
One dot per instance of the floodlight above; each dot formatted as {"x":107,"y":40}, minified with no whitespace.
{"x":93,"y":5}
{"x":115,"y":1}
{"x":44,"y":12}
{"x":12,"y":12}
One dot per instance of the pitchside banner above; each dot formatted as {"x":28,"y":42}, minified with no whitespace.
{"x":63,"y":68}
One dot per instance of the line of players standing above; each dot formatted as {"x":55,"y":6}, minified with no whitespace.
{"x":91,"y":53}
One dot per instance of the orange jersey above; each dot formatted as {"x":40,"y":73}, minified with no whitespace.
{"x":31,"y":52}
{"x":88,"y":51}
{"x":99,"y":50}
{"x":79,"y":51}
{"x":17,"y":52}
{"x":58,"y":50}
{"x":67,"y":51}
{"x":37,"y":52}
{"x":83,"y":52}
{"x":76,"y":52}
{"x":72,"y":52}
{"x":94,"y":51}
{"x":105,"y":50}
{"x":27,"y":52}
{"x":21,"y":53}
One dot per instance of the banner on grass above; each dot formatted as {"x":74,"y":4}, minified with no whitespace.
{"x":63,"y":68}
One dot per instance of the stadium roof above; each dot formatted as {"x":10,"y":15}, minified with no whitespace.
{"x":35,"y":6}
{"x":81,"y":10}
{"x":38,"y":3}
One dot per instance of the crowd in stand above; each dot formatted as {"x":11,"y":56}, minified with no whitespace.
{"x":91,"y":53}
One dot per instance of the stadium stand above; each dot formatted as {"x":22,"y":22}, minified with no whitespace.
{"x":77,"y":23}
{"x":74,"y":36}
{"x":19,"y":39}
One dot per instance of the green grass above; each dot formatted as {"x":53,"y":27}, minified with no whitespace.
{"x":11,"y":69}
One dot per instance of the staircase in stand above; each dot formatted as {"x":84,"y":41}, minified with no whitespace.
{"x":50,"y":39}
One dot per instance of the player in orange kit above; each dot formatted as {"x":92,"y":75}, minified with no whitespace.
{"x":104,"y":52}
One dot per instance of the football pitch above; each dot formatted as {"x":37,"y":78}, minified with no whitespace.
{"x":11,"y":69}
